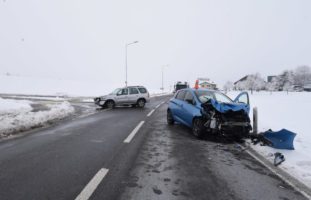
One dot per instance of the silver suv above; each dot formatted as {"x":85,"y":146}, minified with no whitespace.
{"x":132,"y":95}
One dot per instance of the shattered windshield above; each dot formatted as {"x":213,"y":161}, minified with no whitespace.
{"x":205,"y":95}
{"x":222,"y":98}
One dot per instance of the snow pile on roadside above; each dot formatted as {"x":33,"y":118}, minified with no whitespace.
{"x":9,"y":106}
{"x":279,"y":110}
{"x":16,"y":115}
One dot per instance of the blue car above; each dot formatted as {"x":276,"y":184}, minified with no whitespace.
{"x":210,"y":111}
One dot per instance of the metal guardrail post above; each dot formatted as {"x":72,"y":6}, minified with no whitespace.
{"x":255,"y":120}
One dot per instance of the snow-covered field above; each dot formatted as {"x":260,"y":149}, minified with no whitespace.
{"x":21,"y":115}
{"x":292,"y":111}
{"x":58,"y":87}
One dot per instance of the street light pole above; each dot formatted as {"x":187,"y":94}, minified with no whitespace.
{"x":126,"y":45}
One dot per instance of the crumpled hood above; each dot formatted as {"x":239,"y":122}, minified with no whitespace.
{"x":225,"y":107}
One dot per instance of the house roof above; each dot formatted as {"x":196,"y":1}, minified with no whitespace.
{"x":242,"y":79}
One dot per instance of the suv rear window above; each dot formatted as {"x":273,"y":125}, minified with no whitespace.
{"x":142,"y":90}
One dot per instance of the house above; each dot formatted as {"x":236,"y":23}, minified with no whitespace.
{"x":208,"y":85}
{"x":307,"y":87}
{"x":270,"y":78}
{"x":241,"y":80}
{"x":236,"y":84}
{"x":250,"y":82}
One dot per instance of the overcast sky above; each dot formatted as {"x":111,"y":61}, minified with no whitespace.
{"x":221,"y":39}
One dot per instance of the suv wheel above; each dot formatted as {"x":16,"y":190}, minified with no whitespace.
{"x":198,"y":128}
{"x":110,"y":104}
{"x":141,"y":103}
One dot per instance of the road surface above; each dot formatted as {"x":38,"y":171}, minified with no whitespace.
{"x":130,"y":153}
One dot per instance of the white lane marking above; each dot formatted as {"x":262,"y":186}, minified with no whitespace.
{"x":159,"y":104}
{"x":92,"y":185}
{"x":133,"y":133}
{"x":150,"y":113}
{"x":279,"y":175}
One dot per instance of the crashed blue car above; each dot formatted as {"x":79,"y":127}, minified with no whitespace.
{"x":210,"y":112}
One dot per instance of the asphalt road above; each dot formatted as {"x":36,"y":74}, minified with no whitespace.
{"x":102,"y":157}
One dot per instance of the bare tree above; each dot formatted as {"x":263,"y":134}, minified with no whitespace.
{"x":302,"y":75}
{"x":228,"y":86}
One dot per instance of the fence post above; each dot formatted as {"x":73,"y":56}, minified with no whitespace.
{"x":255,"y":120}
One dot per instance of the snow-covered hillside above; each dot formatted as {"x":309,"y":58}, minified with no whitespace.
{"x":279,"y":110}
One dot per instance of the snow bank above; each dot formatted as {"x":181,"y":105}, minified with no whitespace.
{"x":10,"y":106}
{"x":18,"y":115}
{"x":279,"y":110}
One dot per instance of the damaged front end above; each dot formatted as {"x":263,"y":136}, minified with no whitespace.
{"x":226,"y":119}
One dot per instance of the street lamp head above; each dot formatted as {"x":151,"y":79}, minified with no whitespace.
{"x":131,"y":43}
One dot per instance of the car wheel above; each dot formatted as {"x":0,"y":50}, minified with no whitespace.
{"x":141,"y":103}
{"x":169,"y":117}
{"x":110,"y":104}
{"x":198,"y":128}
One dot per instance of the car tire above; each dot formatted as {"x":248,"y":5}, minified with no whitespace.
{"x":169,"y":118}
{"x":110,"y":104}
{"x":141,"y":103}
{"x":198,"y":129}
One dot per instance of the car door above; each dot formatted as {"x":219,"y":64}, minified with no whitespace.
{"x":243,"y":98}
{"x":189,"y":109}
{"x":133,"y":95}
{"x":177,"y":104}
{"x":122,"y":96}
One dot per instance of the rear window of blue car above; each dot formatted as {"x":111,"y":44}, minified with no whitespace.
{"x":181,"y":95}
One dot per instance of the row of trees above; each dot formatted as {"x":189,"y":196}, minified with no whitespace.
{"x":286,"y":81}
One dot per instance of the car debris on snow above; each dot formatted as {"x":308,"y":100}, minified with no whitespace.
{"x":278,"y":159}
{"x":283,"y":139}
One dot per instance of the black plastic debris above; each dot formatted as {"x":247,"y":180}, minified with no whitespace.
{"x":260,"y":139}
{"x":278,"y":158}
